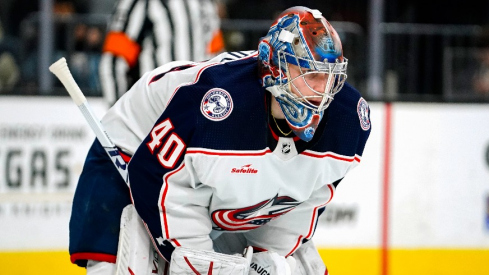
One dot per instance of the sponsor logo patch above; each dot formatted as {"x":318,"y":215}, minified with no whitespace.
{"x":363,"y":114}
{"x":245,"y":169}
{"x":217,"y":104}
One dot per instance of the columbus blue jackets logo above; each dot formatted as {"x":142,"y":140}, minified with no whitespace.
{"x":363,"y":114}
{"x":253,"y":216}
{"x":216,"y":104}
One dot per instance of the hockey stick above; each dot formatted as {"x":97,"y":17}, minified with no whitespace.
{"x":127,"y":242}
{"x":62,"y":72}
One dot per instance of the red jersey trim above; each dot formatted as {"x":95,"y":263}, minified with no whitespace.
{"x":268,"y":151}
{"x":101,"y":257}
{"x":331,"y":155}
{"x":315,"y":212}
{"x":163,"y":198}
{"x":313,"y":222}
{"x":197,"y":77}
{"x":258,"y":249}
{"x":228,"y":153}
{"x":299,"y":240}
{"x":125,"y":156}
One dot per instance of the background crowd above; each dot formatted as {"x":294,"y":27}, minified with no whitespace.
{"x":437,"y":51}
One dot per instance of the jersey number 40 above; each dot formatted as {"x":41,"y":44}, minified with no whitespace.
{"x":170,"y":145}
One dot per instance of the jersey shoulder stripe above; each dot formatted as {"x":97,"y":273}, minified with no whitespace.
{"x":234,"y":56}
{"x":184,"y":73}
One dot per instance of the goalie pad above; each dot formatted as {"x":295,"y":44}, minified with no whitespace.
{"x":308,"y":261}
{"x":100,"y":268}
{"x":191,"y":261}
{"x":135,"y":252}
{"x":271,"y":263}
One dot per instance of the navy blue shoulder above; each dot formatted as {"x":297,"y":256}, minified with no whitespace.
{"x":346,"y":98}
{"x":233,"y":85}
{"x":348,"y":124}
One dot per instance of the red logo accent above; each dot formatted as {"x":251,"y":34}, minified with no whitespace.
{"x":253,"y":216}
{"x":209,"y":272}
{"x":155,"y":265}
{"x":245,"y":169}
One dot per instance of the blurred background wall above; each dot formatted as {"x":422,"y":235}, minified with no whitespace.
{"x":418,"y":203}
{"x":399,"y":50}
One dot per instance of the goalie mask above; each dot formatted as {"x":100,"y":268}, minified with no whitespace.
{"x":301,"y":63}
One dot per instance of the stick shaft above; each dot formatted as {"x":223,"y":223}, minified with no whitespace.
{"x":62,"y":72}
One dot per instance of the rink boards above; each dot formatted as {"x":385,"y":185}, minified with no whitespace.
{"x":423,"y":211}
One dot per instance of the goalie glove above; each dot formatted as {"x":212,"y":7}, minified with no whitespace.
{"x":271,"y":263}
{"x":186,"y":261}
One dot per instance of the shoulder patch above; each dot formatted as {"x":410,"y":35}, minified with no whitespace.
{"x":216,"y":104}
{"x":363,"y":114}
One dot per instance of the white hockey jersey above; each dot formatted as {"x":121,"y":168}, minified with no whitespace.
{"x":205,"y":158}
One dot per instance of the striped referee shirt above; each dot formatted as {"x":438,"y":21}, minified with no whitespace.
{"x":145,"y":34}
